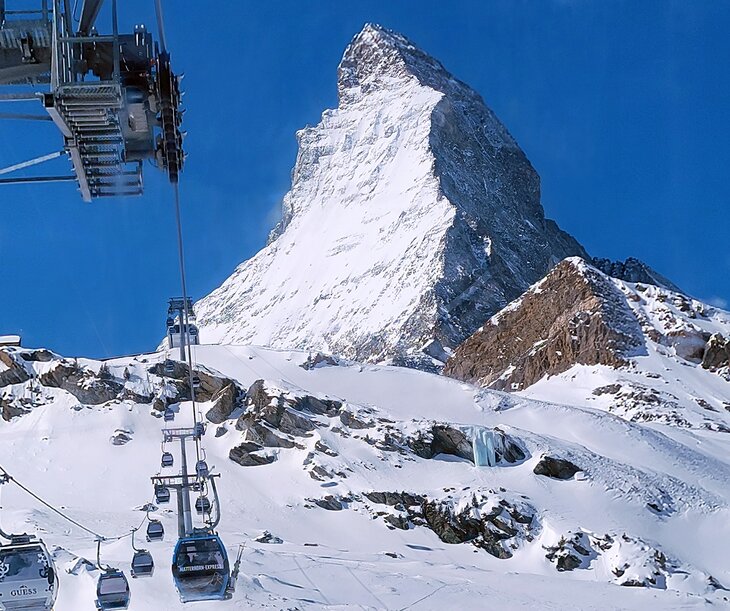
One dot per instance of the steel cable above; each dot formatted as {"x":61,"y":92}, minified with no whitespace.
{"x":97,"y":536}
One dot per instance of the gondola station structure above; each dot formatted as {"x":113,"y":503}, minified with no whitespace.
{"x":113,"y":97}
{"x":180,"y":333}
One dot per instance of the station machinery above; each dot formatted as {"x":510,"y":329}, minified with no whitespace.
{"x":113,"y":97}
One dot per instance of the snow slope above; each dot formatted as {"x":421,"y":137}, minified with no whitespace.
{"x":412,"y":210}
{"x":666,"y":381}
{"x":350,"y":558}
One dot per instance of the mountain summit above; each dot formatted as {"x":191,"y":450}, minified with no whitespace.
{"x":377,"y":55}
{"x":413,"y":216}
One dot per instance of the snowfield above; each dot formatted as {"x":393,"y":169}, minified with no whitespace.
{"x":649,"y":505}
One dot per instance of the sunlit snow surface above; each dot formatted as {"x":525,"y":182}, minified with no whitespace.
{"x":348,"y":559}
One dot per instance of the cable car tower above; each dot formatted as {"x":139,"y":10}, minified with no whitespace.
{"x":113,"y":97}
{"x":200,"y":568}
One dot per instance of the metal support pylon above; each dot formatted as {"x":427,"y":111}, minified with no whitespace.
{"x":184,"y":507}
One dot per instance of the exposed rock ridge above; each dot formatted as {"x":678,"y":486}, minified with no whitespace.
{"x":633,"y":270}
{"x":31,"y":378}
{"x":574,"y":315}
{"x":377,"y":55}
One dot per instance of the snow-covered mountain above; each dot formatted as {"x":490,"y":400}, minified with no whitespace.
{"x":357,"y":486}
{"x":412,"y":217}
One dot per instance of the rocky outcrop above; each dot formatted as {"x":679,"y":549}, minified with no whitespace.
{"x":39,"y":374}
{"x":454,"y":441}
{"x":482,"y":518}
{"x":633,"y":270}
{"x":394,"y":499}
{"x":268,"y":538}
{"x":576,"y":550}
{"x":121,"y":437}
{"x":12,"y":370}
{"x":556,"y":468}
{"x":268,"y":409}
{"x":279,"y":418}
{"x":628,"y":561}
{"x":716,"y":353}
{"x":250,"y":454}
{"x":224,"y":402}
{"x":211,"y":383}
{"x":83,"y":383}
{"x":575,"y":315}
{"x":318,"y":359}
{"x":329,"y":502}
{"x":431,"y":211}
{"x":9,"y":409}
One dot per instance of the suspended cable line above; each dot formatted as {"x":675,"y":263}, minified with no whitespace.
{"x":6,"y":477}
{"x":185,"y":326}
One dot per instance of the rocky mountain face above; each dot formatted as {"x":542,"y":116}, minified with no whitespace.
{"x":574,"y":315}
{"x":633,"y":270}
{"x":412,"y":217}
{"x":324,"y":455}
{"x":578,"y":336}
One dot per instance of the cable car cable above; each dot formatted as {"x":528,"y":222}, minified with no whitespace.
{"x":161,"y":25}
{"x":185,"y":326}
{"x":97,"y":536}
{"x":10,"y":478}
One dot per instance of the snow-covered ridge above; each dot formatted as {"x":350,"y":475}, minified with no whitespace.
{"x":673,"y":380}
{"x":413,"y":216}
{"x":578,"y":336}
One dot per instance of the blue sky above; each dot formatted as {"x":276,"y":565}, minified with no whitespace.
{"x":621,"y":106}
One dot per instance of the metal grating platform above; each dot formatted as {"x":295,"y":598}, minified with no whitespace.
{"x":91,"y":113}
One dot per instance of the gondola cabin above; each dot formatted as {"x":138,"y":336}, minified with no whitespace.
{"x":202,"y":505}
{"x":112,"y":591}
{"x":201,"y":469}
{"x":143,"y":565}
{"x":155,"y":531}
{"x":27,"y":576}
{"x":175,"y":335}
{"x":162,"y":494}
{"x":200,"y":568}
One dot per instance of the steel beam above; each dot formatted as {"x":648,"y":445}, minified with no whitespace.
{"x":89,"y":12}
{"x":17,"y":116}
{"x":20,"y":97}
{"x":35,"y":179}
{"x":31,"y":162}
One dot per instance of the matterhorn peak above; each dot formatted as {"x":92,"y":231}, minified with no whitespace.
{"x":413,"y":217}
